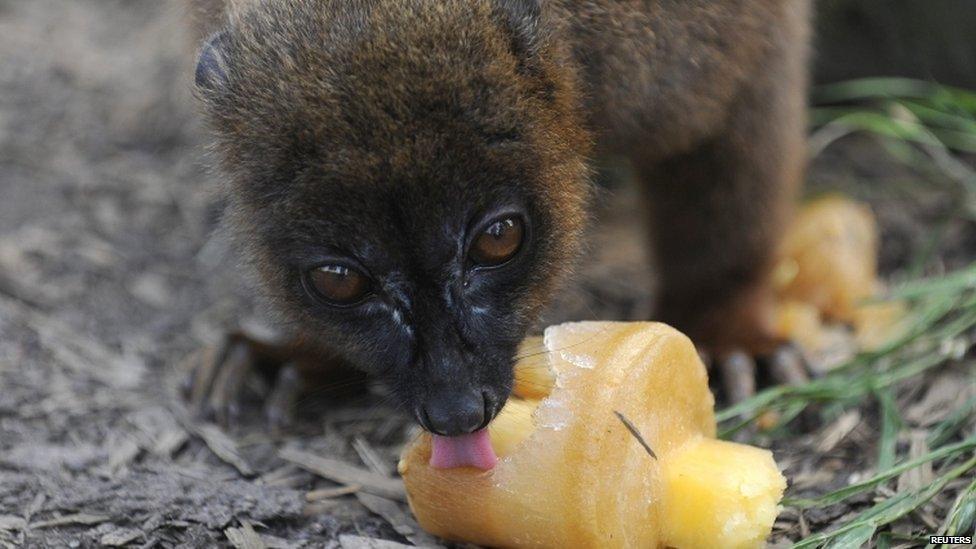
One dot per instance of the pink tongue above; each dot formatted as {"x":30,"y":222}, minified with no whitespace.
{"x":473,"y":450}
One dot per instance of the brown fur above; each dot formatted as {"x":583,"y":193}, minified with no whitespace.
{"x":705,"y":97}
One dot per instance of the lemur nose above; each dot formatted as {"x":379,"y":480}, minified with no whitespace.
{"x":453,"y":414}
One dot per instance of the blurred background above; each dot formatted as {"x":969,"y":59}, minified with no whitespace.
{"x":113,"y":270}
{"x":928,"y":40}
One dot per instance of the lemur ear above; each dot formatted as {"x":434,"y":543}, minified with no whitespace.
{"x":522,"y":17}
{"x":212,"y":68}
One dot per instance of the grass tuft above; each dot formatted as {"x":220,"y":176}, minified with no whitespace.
{"x":928,"y":125}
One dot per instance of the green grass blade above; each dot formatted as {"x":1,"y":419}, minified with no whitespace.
{"x":890,"y":425}
{"x":882,"y":124}
{"x":951,"y":283}
{"x":864,"y":89}
{"x":951,"y":425}
{"x":873,"y":88}
{"x":890,"y":509}
{"x":856,"y":537}
{"x":962,"y":515}
{"x":933,"y":116}
{"x":840,"y":495}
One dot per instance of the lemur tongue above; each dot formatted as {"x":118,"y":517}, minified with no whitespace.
{"x":473,"y":449}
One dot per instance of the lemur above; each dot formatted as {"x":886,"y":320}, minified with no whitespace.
{"x":410,"y":179}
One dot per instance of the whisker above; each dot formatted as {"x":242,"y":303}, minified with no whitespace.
{"x":564,"y":348}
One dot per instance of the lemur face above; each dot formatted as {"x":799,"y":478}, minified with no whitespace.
{"x":423,"y":283}
{"x":408,"y":201}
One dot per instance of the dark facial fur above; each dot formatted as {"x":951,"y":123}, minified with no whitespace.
{"x":383,"y":135}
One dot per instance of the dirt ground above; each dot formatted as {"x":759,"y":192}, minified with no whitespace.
{"x":111,"y":273}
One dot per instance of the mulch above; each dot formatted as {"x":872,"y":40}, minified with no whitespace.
{"x":112,"y":273}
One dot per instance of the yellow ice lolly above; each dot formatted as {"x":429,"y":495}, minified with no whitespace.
{"x":572,"y":474}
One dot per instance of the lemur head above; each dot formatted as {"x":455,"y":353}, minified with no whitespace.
{"x":409,"y":180}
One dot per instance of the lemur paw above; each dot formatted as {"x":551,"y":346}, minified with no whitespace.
{"x":739,"y":371}
{"x":216,"y":383}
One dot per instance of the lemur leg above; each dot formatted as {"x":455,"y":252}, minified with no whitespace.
{"x":717,"y":214}
{"x":216,"y":382}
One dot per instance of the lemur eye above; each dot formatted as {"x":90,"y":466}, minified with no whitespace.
{"x":338,"y":284}
{"x":498,"y":243}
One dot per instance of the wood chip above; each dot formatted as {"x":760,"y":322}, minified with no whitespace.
{"x":400,"y":520}
{"x":244,"y":537}
{"x":831,"y":436}
{"x":78,"y":352}
{"x":123,"y":454}
{"x":274,"y":542}
{"x":278,"y":475}
{"x":344,"y":473}
{"x":370,"y":457}
{"x":35,"y":505}
{"x":297,"y":480}
{"x":222,"y":446}
{"x":359,"y":542}
{"x":120,"y":537}
{"x":169,"y":441}
{"x":286,"y":477}
{"x":939,"y":400}
{"x":811,"y":478}
{"x":11,"y":522}
{"x":152,"y":289}
{"x":77,"y":518}
{"x":322,"y":507}
{"x":329,"y":493}
{"x":916,"y":477}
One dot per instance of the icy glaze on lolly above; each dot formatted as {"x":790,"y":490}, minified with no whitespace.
{"x":570,"y":474}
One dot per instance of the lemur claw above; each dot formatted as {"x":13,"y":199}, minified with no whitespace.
{"x":739,"y":370}
{"x":215,"y":385}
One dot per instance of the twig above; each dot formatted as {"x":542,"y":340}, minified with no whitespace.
{"x":329,"y":493}
{"x":633,"y":430}
{"x":221,"y":445}
{"x":402,"y":522}
{"x":344,"y":473}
